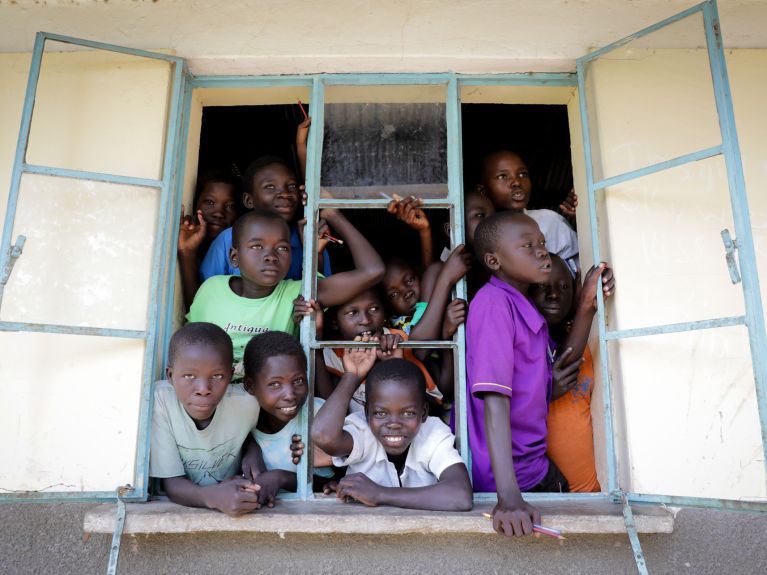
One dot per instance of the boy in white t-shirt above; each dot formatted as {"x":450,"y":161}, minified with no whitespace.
{"x":200,"y":423}
{"x":395,"y":453}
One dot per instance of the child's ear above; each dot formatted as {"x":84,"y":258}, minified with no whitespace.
{"x":491,"y":261}
{"x":234,"y":257}
{"x":247,"y":383}
{"x":168,"y":373}
{"x":247,"y":200}
{"x":425,"y":412}
{"x":481,"y":189}
{"x":446,"y":228}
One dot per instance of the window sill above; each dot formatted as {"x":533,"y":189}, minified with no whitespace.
{"x":328,"y":515}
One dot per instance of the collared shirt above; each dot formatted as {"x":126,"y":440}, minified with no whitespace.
{"x":429,"y":454}
{"x":216,"y":261}
{"x":506,"y":352}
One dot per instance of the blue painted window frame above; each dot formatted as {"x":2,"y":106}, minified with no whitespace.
{"x":160,"y":327}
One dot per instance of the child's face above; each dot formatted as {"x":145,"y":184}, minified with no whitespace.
{"x":403,"y":287}
{"x":476,"y":208}
{"x":520,"y":258}
{"x":362,"y":315}
{"x":506,"y":181}
{"x":281,"y":387}
{"x":262,"y":252}
{"x":395,"y":412}
{"x":554,"y":298}
{"x":218,"y":208}
{"x":200,"y":374}
{"x":275,"y":189}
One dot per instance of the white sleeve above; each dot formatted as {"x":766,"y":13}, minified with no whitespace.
{"x":440,"y":444}
{"x":362,"y":438}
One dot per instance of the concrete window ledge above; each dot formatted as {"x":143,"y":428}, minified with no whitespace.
{"x":332,"y":516}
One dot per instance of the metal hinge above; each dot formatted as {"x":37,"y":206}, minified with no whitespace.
{"x":730,"y":245}
{"x":114,"y":551}
{"x":13,"y":254}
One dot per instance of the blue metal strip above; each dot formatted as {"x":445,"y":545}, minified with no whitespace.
{"x":565,"y":79}
{"x":176,"y":203}
{"x":455,"y":196}
{"x":708,"y":502}
{"x":636,"y":547}
{"x":71,"y":329}
{"x":250,"y":81}
{"x":612,"y":474}
{"x":643,"y":32}
{"x":385,"y":79}
{"x":110,"y":47}
{"x":92,"y":176}
{"x":740,"y":212}
{"x":492,"y":497}
{"x":158,"y":265}
{"x":21,"y":152}
{"x":673,"y":163}
{"x":309,"y":287}
{"x":676,"y":327}
{"x":67,"y":496}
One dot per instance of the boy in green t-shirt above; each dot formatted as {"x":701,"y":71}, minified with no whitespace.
{"x":261,"y":299}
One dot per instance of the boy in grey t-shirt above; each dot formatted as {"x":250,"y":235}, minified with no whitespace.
{"x":200,"y":423}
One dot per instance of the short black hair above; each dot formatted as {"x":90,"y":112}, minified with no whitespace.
{"x":218,"y":176}
{"x":200,"y":333}
{"x":488,"y":232}
{"x":270,"y":344}
{"x":249,"y":217}
{"x":396,"y":369}
{"x":259,"y":164}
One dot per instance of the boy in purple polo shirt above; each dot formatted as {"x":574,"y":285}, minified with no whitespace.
{"x":508,"y":372}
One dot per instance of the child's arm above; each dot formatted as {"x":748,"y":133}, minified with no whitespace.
{"x":190,"y":238}
{"x":328,"y":429}
{"x":451,"y":493}
{"x":409,"y":211}
{"x":369,"y":268}
{"x":511,"y":515}
{"x":235,"y":496}
{"x":586,"y":307}
{"x":429,"y":326}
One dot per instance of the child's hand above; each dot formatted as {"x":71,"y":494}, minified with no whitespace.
{"x":458,"y":264}
{"x":588,"y":295}
{"x":360,"y":360}
{"x":389,"y":346}
{"x":358,"y":487}
{"x":409,"y":210}
{"x":455,"y":315}
{"x":515,"y":519}
{"x":250,"y":468}
{"x":567,"y":207}
{"x":330,"y":487}
{"x":302,"y":132}
{"x":302,"y":308}
{"x":322,"y":229}
{"x":235,"y":496}
{"x":269,"y":484}
{"x":563,"y":379}
{"x":190,"y":234}
{"x":296,"y":449}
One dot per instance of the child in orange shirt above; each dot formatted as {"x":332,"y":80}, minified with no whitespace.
{"x":570,"y":434}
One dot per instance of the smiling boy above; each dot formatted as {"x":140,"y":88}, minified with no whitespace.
{"x":395,"y":453}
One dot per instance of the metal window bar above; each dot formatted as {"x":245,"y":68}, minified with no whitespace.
{"x":159,"y":255}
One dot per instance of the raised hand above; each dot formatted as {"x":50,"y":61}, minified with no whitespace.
{"x":191,"y":234}
{"x":360,"y":360}
{"x":296,"y":449}
{"x":455,"y":315}
{"x":303,"y":307}
{"x":409,"y":211}
{"x":389,"y":346}
{"x":567,"y":207}
{"x":563,"y":379}
{"x":458,"y":264}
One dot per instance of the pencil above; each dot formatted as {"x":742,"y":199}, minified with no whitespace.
{"x":330,"y":238}
{"x":556,"y":533}
{"x":300,"y":105}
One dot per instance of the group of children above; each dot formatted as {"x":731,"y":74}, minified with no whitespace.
{"x":225,"y":433}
